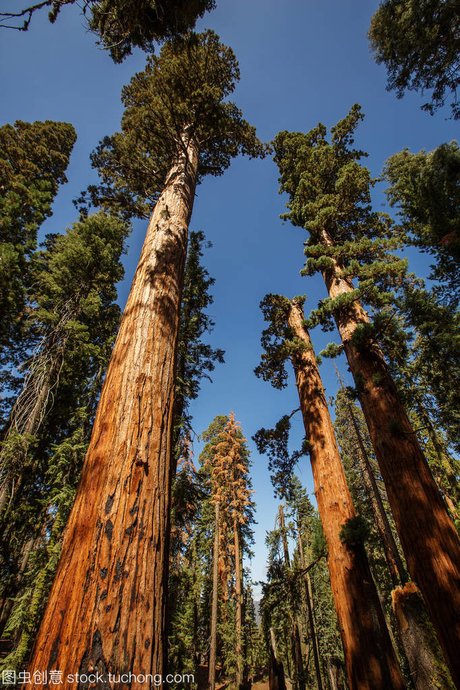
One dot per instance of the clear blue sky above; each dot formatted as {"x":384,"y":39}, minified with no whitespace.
{"x":301,"y":62}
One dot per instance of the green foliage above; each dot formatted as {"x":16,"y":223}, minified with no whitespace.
{"x":123,"y":24}
{"x":279,"y":344}
{"x":284,"y":591}
{"x":330,"y":196}
{"x":423,"y":351}
{"x":72,"y":321}
{"x":180,"y":97}
{"x":425,"y":187}
{"x":419,"y":43}
{"x":195,"y":359}
{"x":281,"y":462}
{"x":277,"y":340}
{"x":33,"y":160}
{"x":331,"y":351}
{"x":355,"y":532}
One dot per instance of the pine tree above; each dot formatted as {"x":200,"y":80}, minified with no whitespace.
{"x":369,"y":657}
{"x":73,"y":318}
{"x":184,"y":128}
{"x":329,"y":195}
{"x":120,"y":25}
{"x":419,"y":44}
{"x":424,"y":187}
{"x":33,"y":160}
{"x":226,"y":460}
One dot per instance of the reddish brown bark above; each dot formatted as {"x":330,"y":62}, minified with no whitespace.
{"x":369,"y":656}
{"x":106,"y":610}
{"x":428,"y":536}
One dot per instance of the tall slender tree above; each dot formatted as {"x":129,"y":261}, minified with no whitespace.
{"x":329,"y":196}
{"x":110,"y":614}
{"x":298,"y":676}
{"x":369,"y":656}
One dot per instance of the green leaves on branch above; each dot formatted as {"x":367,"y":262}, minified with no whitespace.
{"x":278,"y":341}
{"x":425,"y":187}
{"x":330,"y":196}
{"x":180,"y":97}
{"x":419,"y":43}
{"x":33,"y":161}
{"x":281,"y":463}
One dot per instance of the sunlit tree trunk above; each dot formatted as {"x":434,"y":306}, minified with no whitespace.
{"x":428,"y":536}
{"x":369,"y":656}
{"x":106,"y":610}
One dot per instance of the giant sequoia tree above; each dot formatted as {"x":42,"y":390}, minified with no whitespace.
{"x":329,"y":196}
{"x":369,"y":657}
{"x":419,"y":43}
{"x":107,"y":606}
{"x":121,"y":25}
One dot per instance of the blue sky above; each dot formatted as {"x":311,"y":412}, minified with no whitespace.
{"x":301,"y":62}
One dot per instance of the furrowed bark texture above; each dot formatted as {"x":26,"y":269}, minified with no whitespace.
{"x":428,"y":536}
{"x":369,"y":656}
{"x":106,"y":610}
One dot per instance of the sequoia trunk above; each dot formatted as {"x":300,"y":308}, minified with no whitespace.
{"x":106,"y":610}
{"x":369,"y":656}
{"x":428,"y":536}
